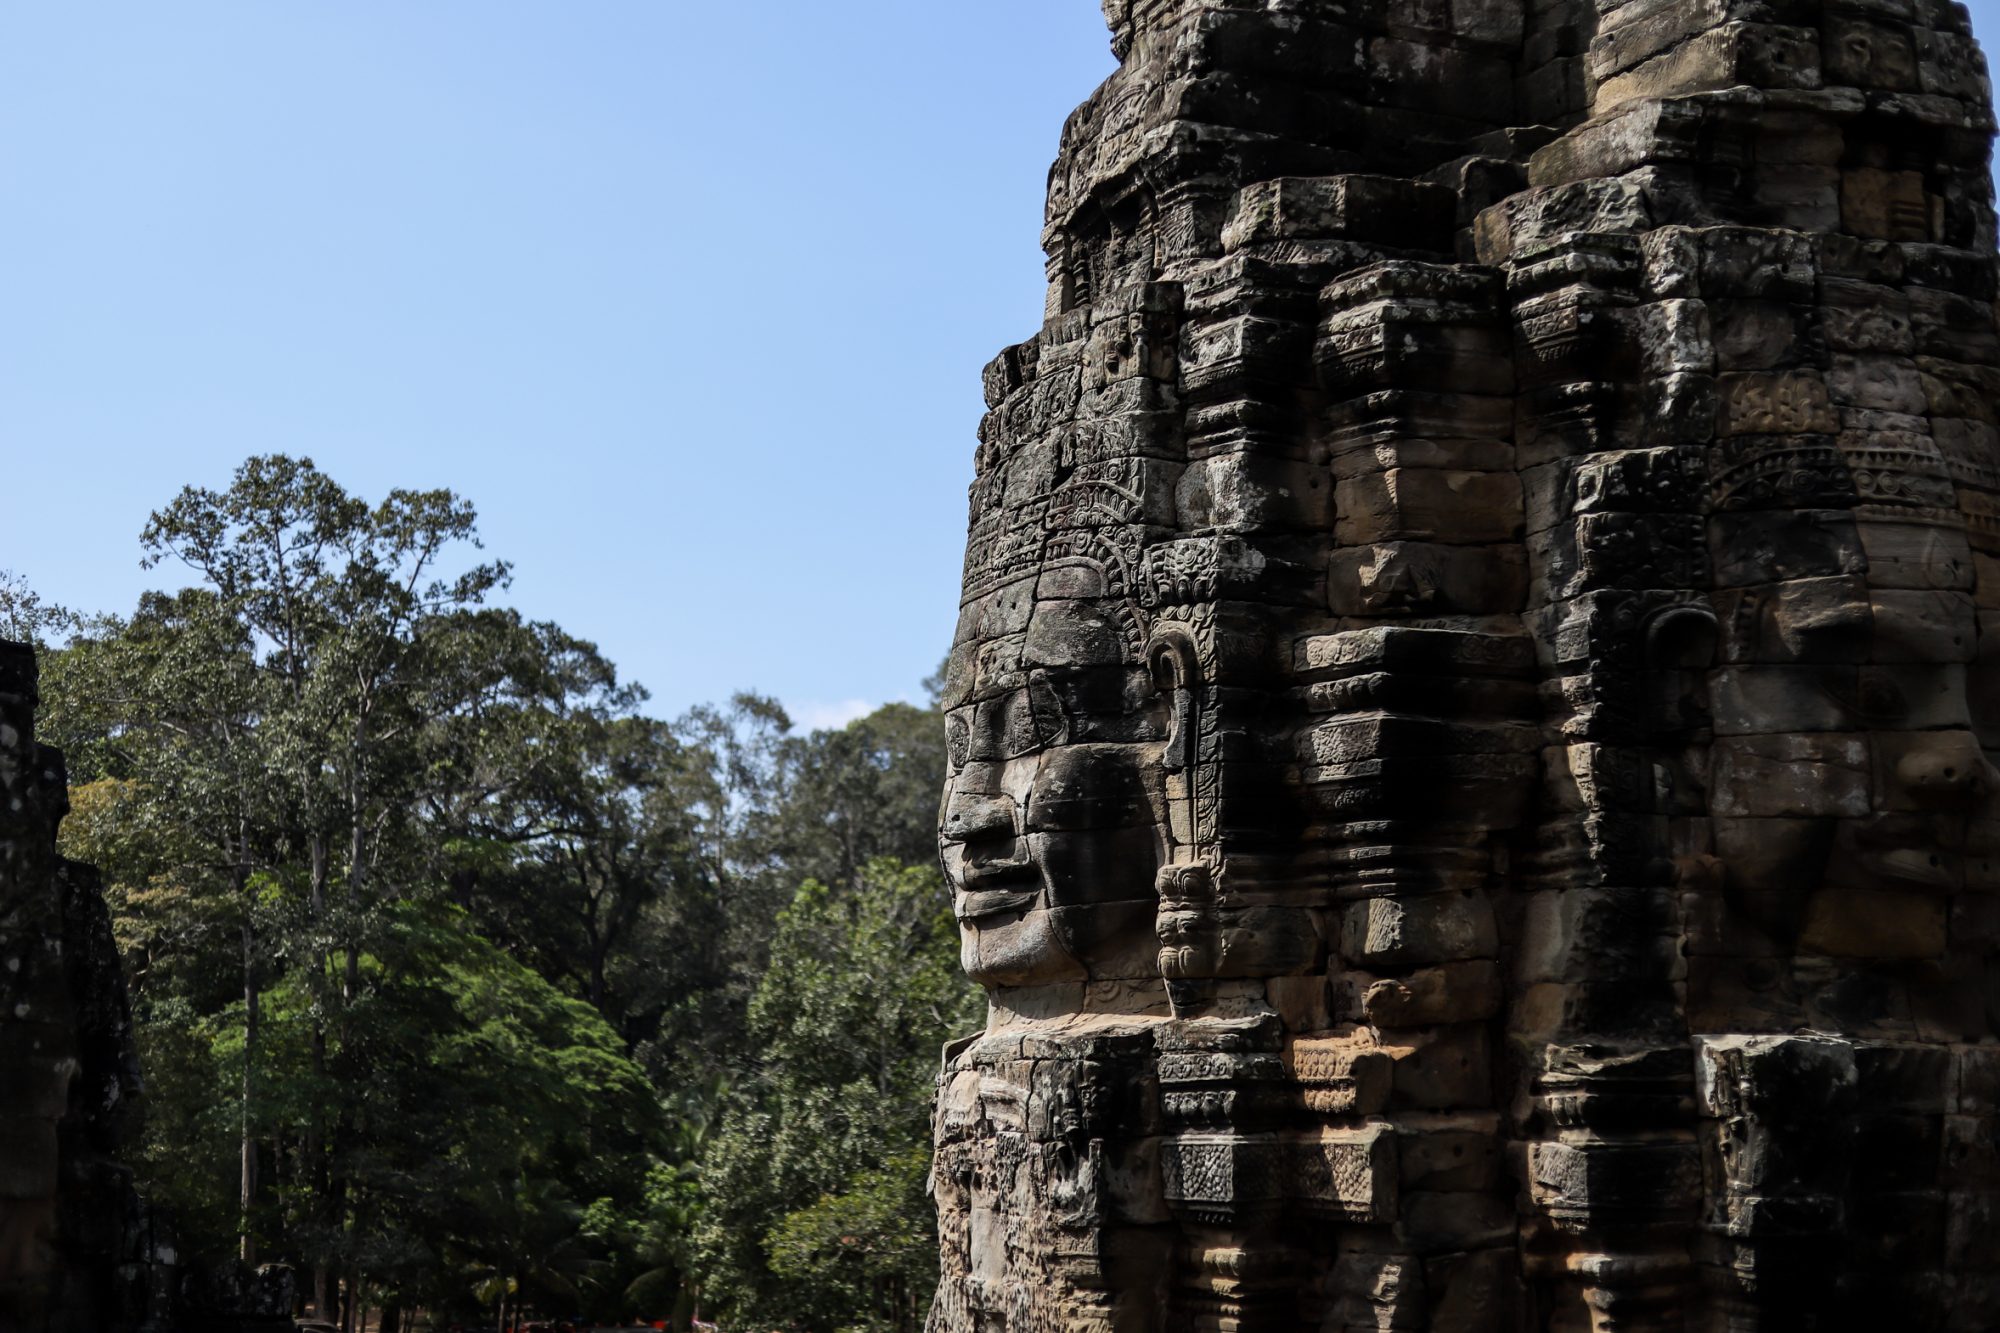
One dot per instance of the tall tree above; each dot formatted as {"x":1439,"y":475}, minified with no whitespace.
{"x":337,"y":599}
{"x":159,"y":716}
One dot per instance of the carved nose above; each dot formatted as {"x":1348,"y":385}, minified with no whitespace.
{"x":1947,"y":771}
{"x":971,"y":816}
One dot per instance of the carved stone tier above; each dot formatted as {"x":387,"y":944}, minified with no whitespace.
{"x":1472,"y":718}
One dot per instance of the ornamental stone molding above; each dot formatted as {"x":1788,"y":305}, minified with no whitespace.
{"x":1471,"y":719}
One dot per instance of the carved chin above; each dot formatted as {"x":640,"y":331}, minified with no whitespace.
{"x":1019,"y":948}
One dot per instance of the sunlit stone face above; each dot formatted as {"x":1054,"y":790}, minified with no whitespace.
{"x":1049,"y":831}
{"x":1526,"y":635}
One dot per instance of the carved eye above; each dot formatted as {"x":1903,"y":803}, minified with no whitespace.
{"x":1034,"y":718}
{"x":957,"y":740}
{"x":1046,"y":706}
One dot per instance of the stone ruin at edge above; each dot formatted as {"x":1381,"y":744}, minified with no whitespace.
{"x":1470,"y":725}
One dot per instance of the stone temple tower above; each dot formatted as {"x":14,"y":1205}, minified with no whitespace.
{"x":1472,"y":720}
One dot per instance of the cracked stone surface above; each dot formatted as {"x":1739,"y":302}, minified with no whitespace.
{"x":1473,"y":716}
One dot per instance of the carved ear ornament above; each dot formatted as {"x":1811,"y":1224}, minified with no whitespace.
{"x":1196,"y":570}
{"x":1682,"y":637}
{"x":1175,"y":665}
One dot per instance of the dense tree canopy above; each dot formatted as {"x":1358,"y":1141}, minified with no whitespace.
{"x":464,"y":985}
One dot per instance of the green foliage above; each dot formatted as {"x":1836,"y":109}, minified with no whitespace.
{"x":816,"y":1212}
{"x":869,"y":1253}
{"x":461,"y":982}
{"x":24,"y":616}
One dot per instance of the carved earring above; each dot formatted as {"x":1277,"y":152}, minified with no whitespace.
{"x":1187,"y":926}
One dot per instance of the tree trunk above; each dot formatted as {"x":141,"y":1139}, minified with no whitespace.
{"x":317,"y":1167}
{"x":357,"y":846}
{"x":247,"y":1194}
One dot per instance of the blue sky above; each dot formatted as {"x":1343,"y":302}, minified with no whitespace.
{"x":690,"y":298}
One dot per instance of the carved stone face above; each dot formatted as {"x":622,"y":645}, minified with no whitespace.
{"x":1850,"y":795}
{"x":1049,"y":832}
{"x":1524,"y":638}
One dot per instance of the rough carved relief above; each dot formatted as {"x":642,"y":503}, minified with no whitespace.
{"x":1473,"y":717}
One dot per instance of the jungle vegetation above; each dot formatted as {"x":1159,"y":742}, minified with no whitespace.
{"x":464,"y":984}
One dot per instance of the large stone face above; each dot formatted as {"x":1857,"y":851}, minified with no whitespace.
{"x":1471,"y":721}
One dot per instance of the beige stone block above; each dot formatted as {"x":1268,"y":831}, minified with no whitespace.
{"x":1867,"y":317}
{"x":1713,"y":927}
{"x":1976,"y":1072}
{"x":1345,"y":1174}
{"x":1755,"y":335}
{"x":1586,"y":934}
{"x":1378,"y":1290}
{"x":1801,"y":198}
{"x":1418,"y":929}
{"x":1675,"y":337}
{"x":1923,"y":625}
{"x":1779,"y":699}
{"x":1762,"y":55}
{"x":1451,"y":993}
{"x":1302,"y":1002}
{"x":1884,"y":205}
{"x":1915,"y":555}
{"x":1457,"y":508}
{"x":1448,"y":1153}
{"x":1346,"y":1073}
{"x":1444,"y":1069}
{"x":1970,"y":448}
{"x":1538,"y":214}
{"x":1628,"y":34}
{"x":1874,"y":923}
{"x":1426,"y":578}
{"x":1240,"y":491}
{"x":1797,"y":775}
{"x":1825,"y":619}
{"x":1456,"y":1222}
{"x":1865,"y":53}
{"x":1883,"y":383}
{"x":1580,"y":1178}
{"x":1488,"y":22}
{"x":1359,"y":454}
{"x":1589,"y":776}
{"x":1950,"y":65}
{"x":1132,"y":1185}
{"x":1786,"y":402}
{"x":1469,"y":1290}
{"x":1954,"y":389}
{"x":1742,"y":993}
{"x":1972,"y":1229}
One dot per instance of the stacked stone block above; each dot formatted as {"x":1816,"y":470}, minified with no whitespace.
{"x":37,"y":1025}
{"x":1545,"y":558}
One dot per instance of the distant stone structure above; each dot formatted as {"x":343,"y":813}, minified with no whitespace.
{"x":76,"y":1247}
{"x":80,"y":1252}
{"x":1470,"y":722}
{"x":68,"y":1078}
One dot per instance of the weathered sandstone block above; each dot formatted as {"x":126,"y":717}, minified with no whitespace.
{"x":1472,"y":788}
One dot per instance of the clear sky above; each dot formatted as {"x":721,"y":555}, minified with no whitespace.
{"x":690,"y":298}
